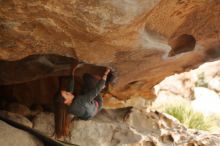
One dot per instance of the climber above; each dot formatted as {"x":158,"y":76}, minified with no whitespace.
{"x":88,"y":103}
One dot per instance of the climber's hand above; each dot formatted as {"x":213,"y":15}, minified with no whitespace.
{"x":68,"y":97}
{"x":106,"y":73}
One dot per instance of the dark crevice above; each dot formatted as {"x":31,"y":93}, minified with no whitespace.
{"x":181,"y":44}
{"x":133,"y":82}
{"x":35,"y":79}
{"x":34,"y":67}
{"x":213,"y":53}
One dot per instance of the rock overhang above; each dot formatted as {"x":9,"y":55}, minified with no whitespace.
{"x":130,"y":37}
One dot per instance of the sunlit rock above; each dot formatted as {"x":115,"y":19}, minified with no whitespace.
{"x":206,"y":101}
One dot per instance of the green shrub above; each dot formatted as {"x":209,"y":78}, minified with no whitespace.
{"x":187,"y":116}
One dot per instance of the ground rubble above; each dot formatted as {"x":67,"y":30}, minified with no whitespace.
{"x":119,"y":127}
{"x":133,"y":127}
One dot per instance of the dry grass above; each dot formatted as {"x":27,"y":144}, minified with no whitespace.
{"x":190,"y":118}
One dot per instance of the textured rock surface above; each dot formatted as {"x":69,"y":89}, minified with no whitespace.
{"x":44,"y":122}
{"x":106,"y":129}
{"x":133,"y":37}
{"x":160,"y":129}
{"x":135,"y":127}
{"x":17,"y":118}
{"x":10,"y":136}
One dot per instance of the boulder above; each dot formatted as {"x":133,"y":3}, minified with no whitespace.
{"x":206,"y":101}
{"x":44,"y":122}
{"x":17,"y":118}
{"x":199,"y":86}
{"x":161,"y":129}
{"x":19,"y":109}
{"x":106,"y":129}
{"x":11,"y":136}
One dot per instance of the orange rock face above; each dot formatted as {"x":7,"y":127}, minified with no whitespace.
{"x":142,"y":41}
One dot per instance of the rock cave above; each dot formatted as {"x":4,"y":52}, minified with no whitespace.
{"x":142,"y":42}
